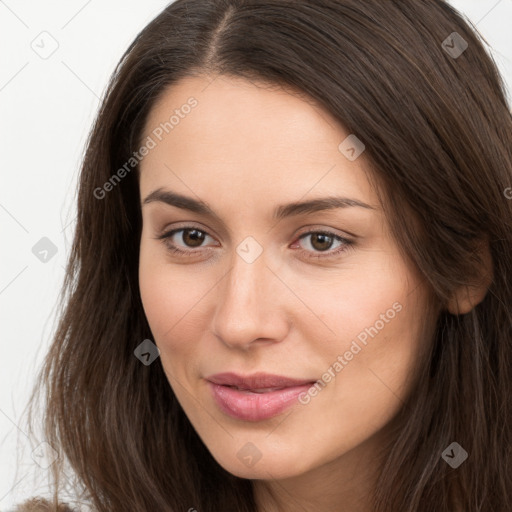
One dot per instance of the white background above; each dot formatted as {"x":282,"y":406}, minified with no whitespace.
{"x":46,"y":109}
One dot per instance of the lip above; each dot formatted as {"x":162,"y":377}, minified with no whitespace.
{"x":257,"y":399}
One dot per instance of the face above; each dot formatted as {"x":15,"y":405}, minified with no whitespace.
{"x":235,"y":280}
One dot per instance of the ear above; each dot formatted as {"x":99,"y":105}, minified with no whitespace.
{"x":467,"y":297}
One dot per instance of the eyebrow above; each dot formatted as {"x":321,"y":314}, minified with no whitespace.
{"x":282,"y":211}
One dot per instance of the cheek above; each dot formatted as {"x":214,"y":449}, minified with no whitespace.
{"x":371,"y":383}
{"x":378,"y":362}
{"x":173,"y":302}
{"x":166,"y":293}
{"x":376,"y":318}
{"x":353,"y":304}
{"x":152,"y":285}
{"x":163,"y":311}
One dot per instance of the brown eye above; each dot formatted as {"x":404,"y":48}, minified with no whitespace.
{"x":321,"y":241}
{"x":179,"y":241}
{"x":192,"y":237}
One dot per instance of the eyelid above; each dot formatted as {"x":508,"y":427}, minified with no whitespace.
{"x":318,"y":228}
{"x":186,"y":225}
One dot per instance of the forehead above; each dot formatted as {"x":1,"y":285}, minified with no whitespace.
{"x":258,"y":140}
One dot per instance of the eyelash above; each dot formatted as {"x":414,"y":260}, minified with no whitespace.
{"x":346,"y":244}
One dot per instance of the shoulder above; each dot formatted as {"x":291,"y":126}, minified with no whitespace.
{"x":41,"y":505}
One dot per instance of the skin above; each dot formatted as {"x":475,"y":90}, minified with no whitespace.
{"x":243,"y":150}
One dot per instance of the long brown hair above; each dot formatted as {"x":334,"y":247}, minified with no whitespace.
{"x":437,"y":131}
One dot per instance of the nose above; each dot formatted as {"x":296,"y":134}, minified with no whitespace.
{"x":251,"y":305}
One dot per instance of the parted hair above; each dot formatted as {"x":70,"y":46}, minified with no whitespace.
{"x":437,"y":130}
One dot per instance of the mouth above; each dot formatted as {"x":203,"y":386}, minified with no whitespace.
{"x":248,"y":390}
{"x":256,"y":397}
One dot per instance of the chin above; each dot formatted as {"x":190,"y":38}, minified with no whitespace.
{"x":272,"y":465}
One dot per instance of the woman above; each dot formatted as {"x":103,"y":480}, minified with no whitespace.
{"x":289,"y":287}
